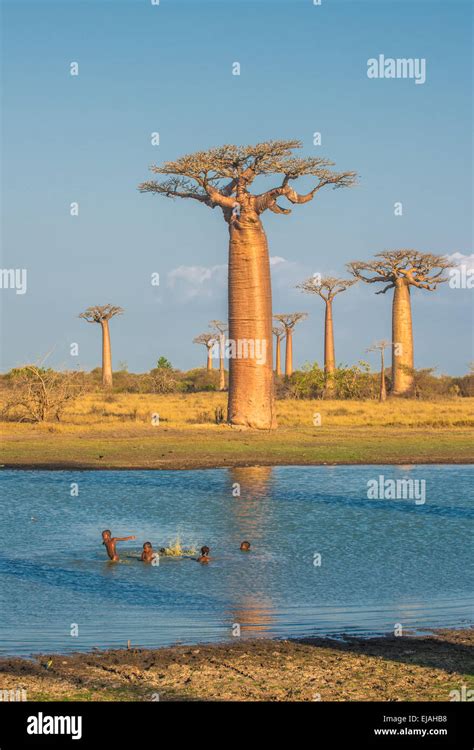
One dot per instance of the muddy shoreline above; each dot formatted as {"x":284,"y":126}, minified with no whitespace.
{"x":195,"y":465}
{"x":422,"y":667}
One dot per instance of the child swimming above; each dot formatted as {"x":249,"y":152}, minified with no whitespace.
{"x":245,"y":546}
{"x":110,"y":542}
{"x":204,"y":558}
{"x":148,"y":554}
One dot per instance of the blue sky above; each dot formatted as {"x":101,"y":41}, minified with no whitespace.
{"x":168,"y":69}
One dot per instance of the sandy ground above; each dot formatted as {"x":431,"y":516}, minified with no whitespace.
{"x":388,"y":669}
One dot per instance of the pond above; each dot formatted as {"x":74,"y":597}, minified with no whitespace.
{"x":326,"y":557}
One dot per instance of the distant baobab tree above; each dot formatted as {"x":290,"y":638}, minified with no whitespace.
{"x":278,"y":332}
{"x":288,"y":322}
{"x":400,"y":270}
{"x":327,"y":287}
{"x":380,"y":346}
{"x":208,"y":339}
{"x":220,"y":329}
{"x":221,"y":177}
{"x":102,"y":314}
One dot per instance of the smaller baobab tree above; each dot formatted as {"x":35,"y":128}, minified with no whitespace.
{"x":279,"y":333}
{"x":327,"y":287}
{"x":220,"y":330}
{"x":102,"y":314}
{"x":288,"y":322}
{"x":380,"y":346}
{"x":208,"y":340}
{"x":401,"y":270}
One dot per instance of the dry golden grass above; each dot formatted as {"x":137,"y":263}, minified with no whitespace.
{"x":116,"y":431}
{"x":124,"y":411}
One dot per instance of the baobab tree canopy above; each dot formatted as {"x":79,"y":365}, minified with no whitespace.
{"x":378,"y":346}
{"x":214,"y":176}
{"x":207,"y":339}
{"x":422,"y":270}
{"x":222,"y":177}
{"x":99,"y":313}
{"x":400,"y":270}
{"x":289,"y":320}
{"x":327,"y":286}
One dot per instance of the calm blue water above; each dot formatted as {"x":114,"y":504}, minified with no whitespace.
{"x":382,"y":561}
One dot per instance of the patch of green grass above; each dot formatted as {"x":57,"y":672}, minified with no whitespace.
{"x":223,"y":446}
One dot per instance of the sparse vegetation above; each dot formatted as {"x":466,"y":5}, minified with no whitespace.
{"x":351,"y":431}
{"x":39,"y":394}
{"x":424,"y":668}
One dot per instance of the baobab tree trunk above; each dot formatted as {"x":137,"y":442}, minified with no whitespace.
{"x":278,"y":356}
{"x":106,"y":355}
{"x":209,"y":358}
{"x":383,"y":389}
{"x":251,"y":399}
{"x":289,"y":353}
{"x":329,"y":355}
{"x":402,"y":340}
{"x":221,"y":363}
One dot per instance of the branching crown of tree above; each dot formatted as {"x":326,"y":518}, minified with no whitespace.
{"x":327,"y":287}
{"x":422,"y":270}
{"x":99,"y":313}
{"x":205,"y":338}
{"x":222,"y":176}
{"x":378,"y":346}
{"x":278,"y":331}
{"x":291,"y":319}
{"x":218,"y":325}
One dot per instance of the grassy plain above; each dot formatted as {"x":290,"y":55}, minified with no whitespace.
{"x":122,"y":431}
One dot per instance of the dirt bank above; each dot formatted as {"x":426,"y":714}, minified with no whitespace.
{"x":389,"y":668}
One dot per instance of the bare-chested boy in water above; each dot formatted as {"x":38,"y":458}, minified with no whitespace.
{"x":148,"y":554}
{"x":204,"y":558}
{"x":110,"y":542}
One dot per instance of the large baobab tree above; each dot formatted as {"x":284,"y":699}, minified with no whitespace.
{"x":288,"y":322}
{"x":208,"y":340}
{"x":222,"y":178}
{"x":400,"y":270}
{"x":327,"y":287}
{"x":220,"y":330}
{"x":102,"y":314}
{"x":380,"y":346}
{"x":278,"y":332}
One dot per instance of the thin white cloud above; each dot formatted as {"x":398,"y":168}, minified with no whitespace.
{"x":466,"y":261}
{"x":193,"y":281}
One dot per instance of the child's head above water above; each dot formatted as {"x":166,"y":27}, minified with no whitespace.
{"x":106,"y":534}
{"x":245,"y":546}
{"x":147,"y":546}
{"x":205,"y":551}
